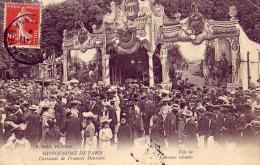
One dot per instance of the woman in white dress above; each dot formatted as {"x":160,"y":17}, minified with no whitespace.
{"x":90,"y":140}
{"x":105,"y":134}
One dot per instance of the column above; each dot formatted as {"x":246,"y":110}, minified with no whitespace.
{"x":164,"y":63}
{"x":151,"y":74}
{"x":106,"y":72}
{"x":65,"y":66}
{"x":235,"y":56}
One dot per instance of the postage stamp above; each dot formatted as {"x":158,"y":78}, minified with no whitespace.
{"x":22,"y":22}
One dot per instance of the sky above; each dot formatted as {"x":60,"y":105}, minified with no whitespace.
{"x":192,"y":52}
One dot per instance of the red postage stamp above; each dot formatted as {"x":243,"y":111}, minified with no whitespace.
{"x":22,"y":24}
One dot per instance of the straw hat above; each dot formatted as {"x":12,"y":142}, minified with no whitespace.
{"x":88,"y":114}
{"x":20,"y":127}
{"x":104,"y":119}
{"x":34,"y":107}
{"x":187,"y":113}
{"x":255,"y":123}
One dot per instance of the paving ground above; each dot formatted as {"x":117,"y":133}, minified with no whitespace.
{"x":195,"y":76}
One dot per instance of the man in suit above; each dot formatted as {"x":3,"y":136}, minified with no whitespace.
{"x":73,"y":129}
{"x":60,"y":115}
{"x":96,"y":106}
{"x":147,"y":113}
{"x":33,"y":129}
{"x":170,"y":126}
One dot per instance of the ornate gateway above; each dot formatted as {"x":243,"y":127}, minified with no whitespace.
{"x":142,"y":23}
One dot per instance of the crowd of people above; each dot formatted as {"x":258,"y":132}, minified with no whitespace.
{"x":91,"y":116}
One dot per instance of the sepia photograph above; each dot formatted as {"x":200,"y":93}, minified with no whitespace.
{"x":133,"y":82}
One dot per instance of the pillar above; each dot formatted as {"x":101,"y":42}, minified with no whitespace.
{"x":65,"y":66}
{"x":164,"y":63}
{"x":106,"y":71}
{"x":65,"y":56}
{"x":151,"y":74}
{"x":235,"y":58}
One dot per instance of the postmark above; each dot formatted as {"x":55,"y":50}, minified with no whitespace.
{"x":22,"y":32}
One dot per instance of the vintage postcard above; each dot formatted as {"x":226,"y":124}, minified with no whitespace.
{"x":129,"y":82}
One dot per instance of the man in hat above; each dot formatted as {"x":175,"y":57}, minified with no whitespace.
{"x":216,"y":126}
{"x":147,"y":109}
{"x":190,"y":130}
{"x":17,"y":142}
{"x":157,"y":132}
{"x":251,"y":133}
{"x":124,"y":134}
{"x":96,"y":105}
{"x":33,"y":129}
{"x":73,"y":129}
{"x":203,"y":124}
{"x":170,"y":126}
{"x":52,"y":137}
{"x":44,"y":122}
{"x":229,"y":128}
{"x":181,"y":121}
{"x":60,"y":114}
{"x":224,"y":66}
{"x":88,"y":131}
{"x":1,"y":130}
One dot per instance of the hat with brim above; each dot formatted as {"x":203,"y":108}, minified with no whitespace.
{"x":74,"y":112}
{"x":75,"y":102}
{"x":105,"y":120}
{"x":88,"y":114}
{"x":25,"y":103}
{"x":20,"y":127}
{"x":106,"y":104}
{"x":33,"y":107}
{"x":16,"y":106}
{"x":255,"y":123}
{"x":3,"y":100}
{"x":175,"y":107}
{"x":201,"y":109}
{"x":123,"y":116}
{"x":187,"y":113}
{"x":166,"y":99}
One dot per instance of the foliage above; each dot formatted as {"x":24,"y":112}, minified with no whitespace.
{"x":218,"y":10}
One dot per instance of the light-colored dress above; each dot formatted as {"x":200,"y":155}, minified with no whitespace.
{"x":90,"y":138}
{"x":105,"y":135}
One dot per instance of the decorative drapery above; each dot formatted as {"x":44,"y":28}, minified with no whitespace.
{"x":125,"y":42}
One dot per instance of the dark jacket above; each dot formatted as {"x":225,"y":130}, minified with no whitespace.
{"x":33,"y":129}
{"x":124,"y":135}
{"x":170,"y":126}
{"x":1,"y":134}
{"x":112,"y":115}
{"x":190,"y":131}
{"x":60,"y":115}
{"x":203,"y":126}
{"x":73,"y":129}
{"x":157,"y":136}
{"x":52,"y":136}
